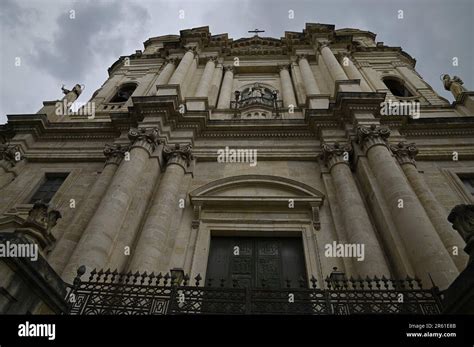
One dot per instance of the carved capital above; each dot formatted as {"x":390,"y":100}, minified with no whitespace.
{"x":323,"y":45}
{"x":145,"y":138}
{"x":369,"y":136}
{"x":405,"y":152}
{"x":115,"y":153}
{"x":173,"y":60}
{"x":462,"y":218}
{"x":212,"y":59}
{"x":177,"y":154}
{"x":301,"y":56}
{"x":335,"y":153}
{"x":284,"y":67}
{"x":229,"y":68}
{"x":10,"y":153}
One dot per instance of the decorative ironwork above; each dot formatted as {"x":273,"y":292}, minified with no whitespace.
{"x":110,"y":292}
{"x":256,"y":96}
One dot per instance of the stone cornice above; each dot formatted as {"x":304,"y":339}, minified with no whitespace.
{"x":405,"y":152}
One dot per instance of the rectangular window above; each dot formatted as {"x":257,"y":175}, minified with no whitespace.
{"x":49,"y":187}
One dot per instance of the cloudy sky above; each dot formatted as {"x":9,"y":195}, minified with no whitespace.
{"x":45,"y":44}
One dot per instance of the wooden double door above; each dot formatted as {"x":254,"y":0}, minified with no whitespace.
{"x":250,"y":260}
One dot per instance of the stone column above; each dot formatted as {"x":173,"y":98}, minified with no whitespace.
{"x":358,"y":227}
{"x":98,"y":239}
{"x":167,"y":71}
{"x":205,"y":82}
{"x":152,"y":241}
{"x":215,"y":85}
{"x":426,"y":251}
{"x":65,"y":246}
{"x":309,"y":81}
{"x":333,"y":65}
{"x":180,"y":73}
{"x":353,"y":72}
{"x":226,"y":90}
{"x":405,"y":154}
{"x":287,"y":87}
{"x":10,"y":155}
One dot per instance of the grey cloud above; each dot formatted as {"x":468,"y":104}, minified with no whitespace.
{"x":97,"y":32}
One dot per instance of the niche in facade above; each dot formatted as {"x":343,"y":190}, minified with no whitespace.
{"x":124,"y":93}
{"x":397,"y":87}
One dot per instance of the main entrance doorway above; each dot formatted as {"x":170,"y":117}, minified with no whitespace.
{"x":273,"y":262}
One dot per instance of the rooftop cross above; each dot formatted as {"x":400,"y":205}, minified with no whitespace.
{"x":256,"y":31}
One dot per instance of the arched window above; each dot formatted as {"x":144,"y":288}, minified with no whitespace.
{"x":124,"y":92}
{"x":397,"y":87}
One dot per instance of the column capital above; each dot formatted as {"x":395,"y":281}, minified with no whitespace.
{"x":405,"y":152}
{"x":323,"y":45}
{"x":173,"y":60}
{"x":301,"y":56}
{"x":284,"y":67}
{"x":335,"y":153}
{"x":192,"y":50}
{"x":145,"y":138}
{"x":9,"y":153}
{"x":177,"y":154}
{"x":212,"y":59}
{"x":229,"y":68}
{"x":115,"y":153}
{"x":369,"y":136}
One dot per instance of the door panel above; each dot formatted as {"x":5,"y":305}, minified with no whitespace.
{"x":273,"y":259}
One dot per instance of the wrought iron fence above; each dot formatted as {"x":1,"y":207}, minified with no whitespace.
{"x":110,"y":292}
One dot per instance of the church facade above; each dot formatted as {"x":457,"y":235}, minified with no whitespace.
{"x":255,"y":160}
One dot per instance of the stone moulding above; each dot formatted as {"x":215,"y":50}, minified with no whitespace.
{"x":303,"y":197}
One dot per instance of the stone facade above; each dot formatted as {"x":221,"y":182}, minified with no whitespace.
{"x":146,"y":191}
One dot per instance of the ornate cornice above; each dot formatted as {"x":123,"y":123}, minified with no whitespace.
{"x":9,"y":153}
{"x":177,"y":154}
{"x":144,"y":138}
{"x":335,"y":153}
{"x":115,"y":153}
{"x":369,"y":136}
{"x":405,"y":152}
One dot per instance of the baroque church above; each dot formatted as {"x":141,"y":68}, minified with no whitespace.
{"x":239,"y":163}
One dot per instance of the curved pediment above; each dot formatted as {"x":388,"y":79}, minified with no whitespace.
{"x":261,"y":186}
{"x":253,"y":192}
